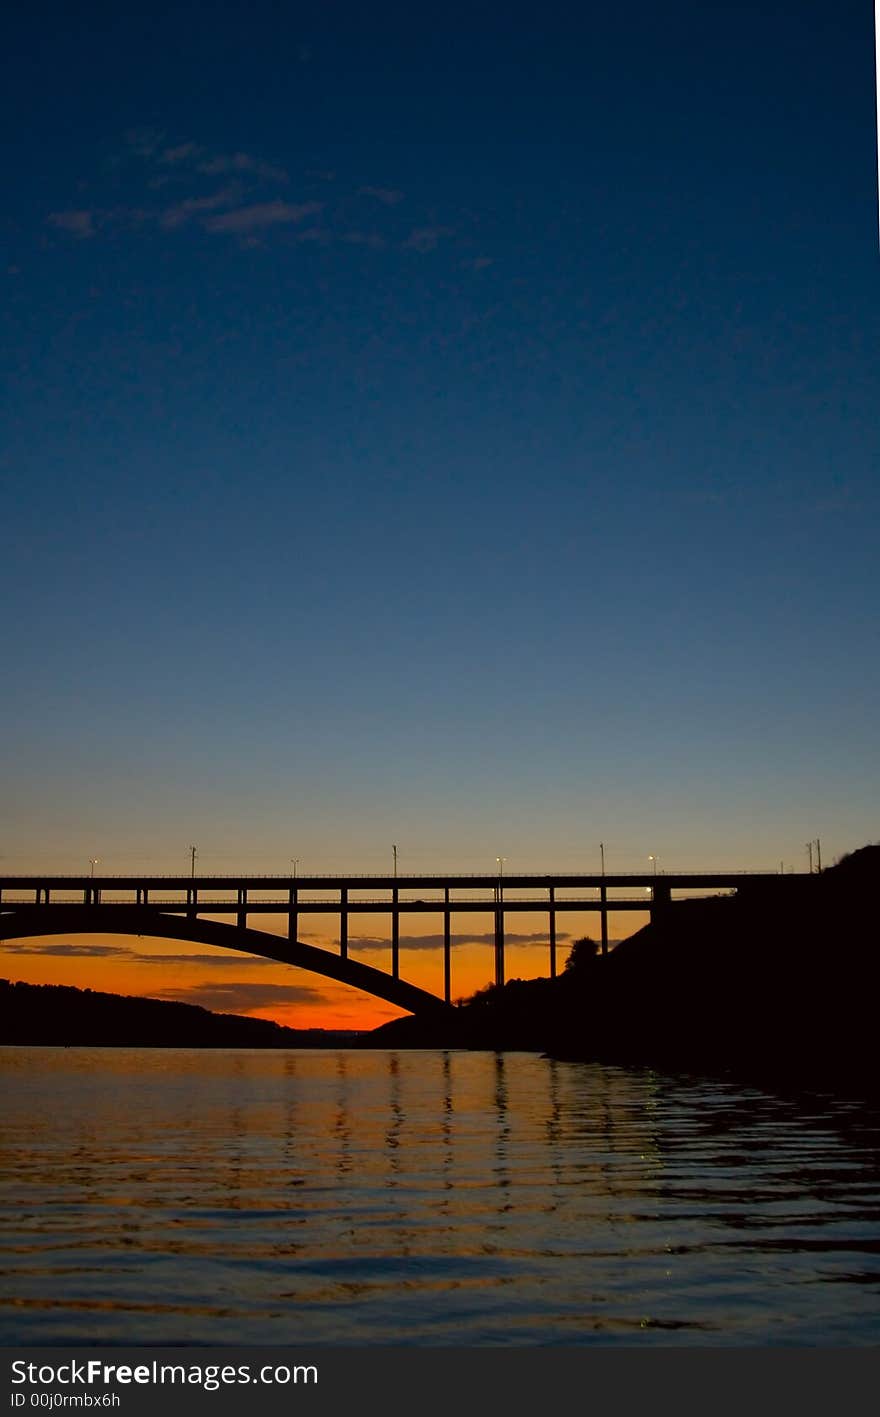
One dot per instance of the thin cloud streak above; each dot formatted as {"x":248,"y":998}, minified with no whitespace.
{"x":195,"y":206}
{"x":243,"y":162}
{"x":427,"y":238}
{"x":91,"y":951}
{"x":366,"y":238}
{"x":388,"y":196}
{"x":435,"y":942}
{"x":243,"y":996}
{"x":75,"y":951}
{"x":181,"y":153}
{"x":246,"y":220}
{"x":75,"y":223}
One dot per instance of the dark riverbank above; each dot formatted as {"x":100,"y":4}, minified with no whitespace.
{"x":58,"y":1015}
{"x":778,"y":981}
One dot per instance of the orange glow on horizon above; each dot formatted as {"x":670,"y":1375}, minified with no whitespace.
{"x":226,"y":981}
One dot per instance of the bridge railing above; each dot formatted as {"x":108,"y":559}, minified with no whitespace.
{"x":531,"y":877}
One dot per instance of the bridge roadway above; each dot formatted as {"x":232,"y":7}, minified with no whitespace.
{"x":176,"y":907}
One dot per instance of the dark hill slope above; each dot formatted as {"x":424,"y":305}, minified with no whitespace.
{"x":782,"y":977}
{"x":57,"y":1014}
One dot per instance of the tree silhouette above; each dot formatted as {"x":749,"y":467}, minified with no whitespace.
{"x":582,"y":954}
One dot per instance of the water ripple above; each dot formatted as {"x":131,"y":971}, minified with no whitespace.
{"x":160,"y":1196}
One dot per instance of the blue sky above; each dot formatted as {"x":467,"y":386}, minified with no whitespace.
{"x":454,"y":429}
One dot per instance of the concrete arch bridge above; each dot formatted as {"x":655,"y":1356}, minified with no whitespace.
{"x":178,"y":907}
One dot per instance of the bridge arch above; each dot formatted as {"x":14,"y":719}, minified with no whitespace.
{"x":140,"y":921}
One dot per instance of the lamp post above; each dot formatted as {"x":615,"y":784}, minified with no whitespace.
{"x":394,"y":852}
{"x":654,"y":860}
{"x":602,"y":855}
{"x":294,"y":861}
{"x":193,"y":853}
{"x":500,"y":860}
{"x":93,"y":861}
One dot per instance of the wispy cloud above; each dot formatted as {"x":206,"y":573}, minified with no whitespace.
{"x":435,"y":942}
{"x":75,"y":223}
{"x":243,"y":996}
{"x":194,"y":156}
{"x":181,"y":153}
{"x":388,"y":196}
{"x":317,"y":235}
{"x":246,"y":220}
{"x":243,"y":162}
{"x":92,"y":951}
{"x":185,"y":183}
{"x":215,"y":961}
{"x":427,"y":238}
{"x":365,"y":238}
{"x":191,"y":207}
{"x":236,"y":959}
{"x":75,"y":951}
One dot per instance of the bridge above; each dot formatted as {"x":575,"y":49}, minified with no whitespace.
{"x":184,"y":908}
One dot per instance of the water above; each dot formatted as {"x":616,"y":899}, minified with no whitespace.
{"x":426,"y":1198}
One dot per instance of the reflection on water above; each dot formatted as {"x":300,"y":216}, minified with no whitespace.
{"x":426,"y":1198}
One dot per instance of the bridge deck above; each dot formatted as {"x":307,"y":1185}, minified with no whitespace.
{"x":332,"y":907}
{"x":678,"y":880}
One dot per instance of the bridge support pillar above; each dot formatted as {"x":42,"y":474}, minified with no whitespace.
{"x":292,"y":914}
{"x":395,"y":935}
{"x":447,"y":949}
{"x":552,"y":890}
{"x":603,"y":914}
{"x":343,"y":922}
{"x":661,"y":899}
{"x":499,"y":944}
{"x":241,"y":913}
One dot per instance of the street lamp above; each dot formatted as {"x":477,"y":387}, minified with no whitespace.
{"x":602,"y":855}
{"x":499,"y":889}
{"x":193,"y":853}
{"x":654,"y":859}
{"x":93,"y":861}
{"x":294,"y":861}
{"x":394,"y":850}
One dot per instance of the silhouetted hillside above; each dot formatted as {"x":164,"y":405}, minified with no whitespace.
{"x":59,"y":1015}
{"x":780,"y":978}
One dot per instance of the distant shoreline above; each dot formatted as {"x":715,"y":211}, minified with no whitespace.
{"x":62,"y":1016}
